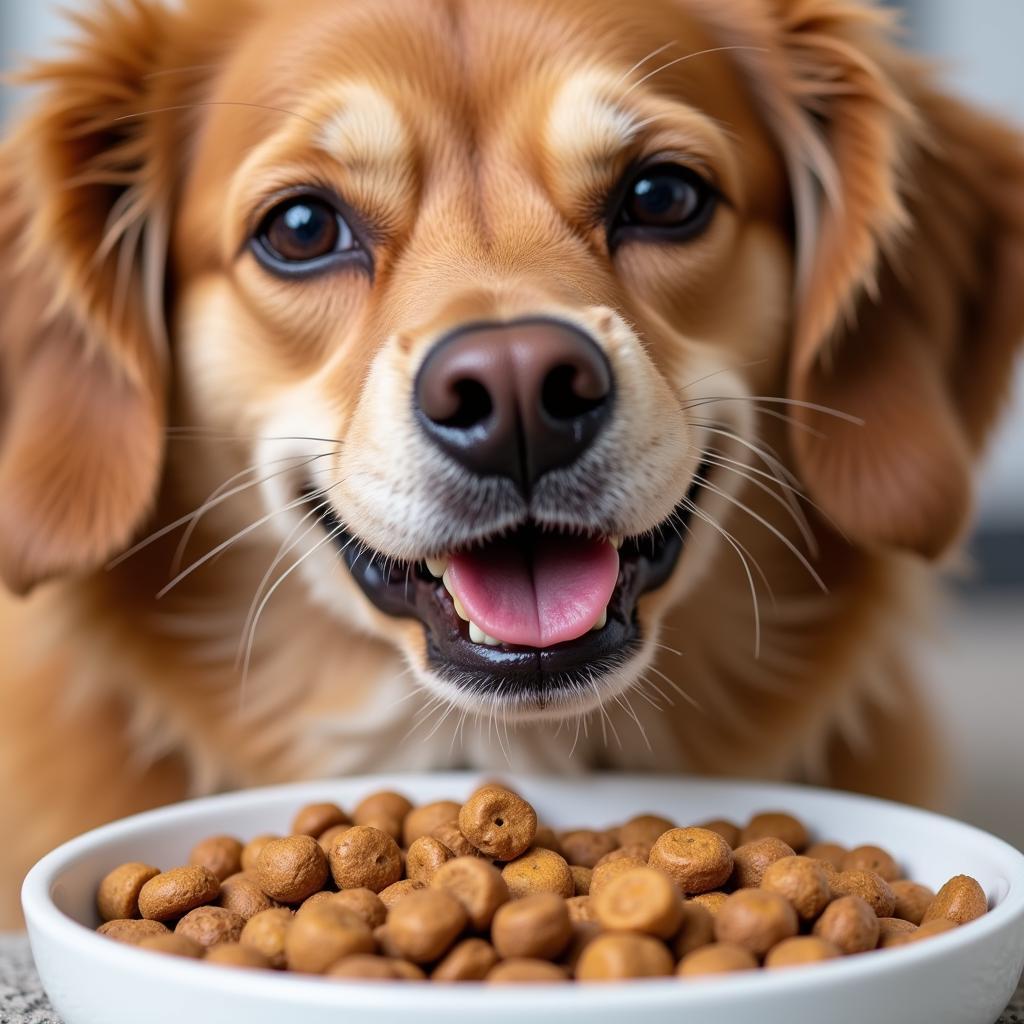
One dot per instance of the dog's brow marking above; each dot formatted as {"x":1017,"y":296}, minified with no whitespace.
{"x":364,"y":130}
{"x":585,"y":124}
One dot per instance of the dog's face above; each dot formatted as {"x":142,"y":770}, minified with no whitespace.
{"x":487,"y":293}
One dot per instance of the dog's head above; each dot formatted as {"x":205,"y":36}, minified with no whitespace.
{"x":495,"y":298}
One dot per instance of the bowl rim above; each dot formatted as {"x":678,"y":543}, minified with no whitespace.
{"x":45,"y":920}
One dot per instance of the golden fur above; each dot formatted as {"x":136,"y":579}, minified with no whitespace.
{"x":870,"y":260}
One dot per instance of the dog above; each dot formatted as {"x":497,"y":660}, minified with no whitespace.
{"x":546,"y":386}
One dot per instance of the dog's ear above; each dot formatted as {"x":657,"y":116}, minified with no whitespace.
{"x":909,"y":209}
{"x":86,"y":182}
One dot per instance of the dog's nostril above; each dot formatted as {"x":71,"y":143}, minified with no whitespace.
{"x":569,"y":392}
{"x":473,"y":405}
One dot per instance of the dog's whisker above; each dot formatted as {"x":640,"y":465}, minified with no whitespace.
{"x":643,"y":60}
{"x":676,"y":688}
{"x":182,"y":433}
{"x":208,"y":103}
{"x":623,"y":701}
{"x":826,"y":410}
{"x":686,"y":57}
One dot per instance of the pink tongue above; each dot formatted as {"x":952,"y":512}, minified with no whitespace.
{"x":538,"y":595}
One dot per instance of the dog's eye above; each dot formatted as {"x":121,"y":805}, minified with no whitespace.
{"x":665,"y":201}
{"x":303,"y":233}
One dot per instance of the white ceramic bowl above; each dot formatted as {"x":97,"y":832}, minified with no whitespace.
{"x":963,"y":977}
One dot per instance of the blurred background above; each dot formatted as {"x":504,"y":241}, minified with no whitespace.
{"x":976,"y":659}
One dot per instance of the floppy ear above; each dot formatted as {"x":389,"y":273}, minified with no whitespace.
{"x":86,"y":181}
{"x":911,"y":276}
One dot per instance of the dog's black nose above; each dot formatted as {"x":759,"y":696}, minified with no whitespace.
{"x":516,"y":399}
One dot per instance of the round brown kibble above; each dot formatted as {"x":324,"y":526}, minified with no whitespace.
{"x":585,"y":847}
{"x":242,"y":894}
{"x":498,"y":822}
{"x":831,"y":853}
{"x":547,"y":838}
{"x":581,"y":879}
{"x":613,"y":957}
{"x":477,"y":885}
{"x":751,"y":860}
{"x":383,"y":804}
{"x":728,"y":830}
{"x":368,"y":905}
{"x":407,"y":970}
{"x":643,"y":900}
{"x":365,"y":857}
{"x":233,"y":954}
{"x":849,"y":924}
{"x":633,"y":851}
{"x":210,"y":926}
{"x":451,"y":836}
{"x":534,"y":927}
{"x":265,"y":933}
{"x":960,"y":900}
{"x":365,"y":967}
{"x":711,"y":901}
{"x":538,"y":870}
{"x":311,"y":901}
{"x":174,"y":893}
{"x":321,"y":935}
{"x":252,"y":850}
{"x":132,"y":931}
{"x":522,"y":971}
{"x":469,"y":960}
{"x":871,"y":888}
{"x":643,"y":828}
{"x":802,"y":881}
{"x":696,"y":929}
{"x":889,"y":927}
{"x":697,"y":859}
{"x":315,"y":819}
{"x":581,"y":908}
{"x":423,"y":926}
{"x":172,"y":945}
{"x":912,"y":899}
{"x":424,"y":857}
{"x":871,"y":858}
{"x":222,"y":855}
{"x":610,"y":868}
{"x":118,"y":895}
{"x":292,"y":868}
{"x":396,"y":891}
{"x":756,"y":919}
{"x":717,"y":958}
{"x":799,"y":951}
{"x":776,"y":825}
{"x":924,"y":931}
{"x":326,"y":839}
{"x":421,"y":821}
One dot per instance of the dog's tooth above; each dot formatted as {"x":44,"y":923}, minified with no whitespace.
{"x":615,"y":541}
{"x":459,"y":609}
{"x":476,"y":634}
{"x":437,"y":566}
{"x":601,"y":622}
{"x":491,"y":641}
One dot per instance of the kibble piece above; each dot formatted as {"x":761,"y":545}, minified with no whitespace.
{"x":728,"y":830}
{"x":326,"y":839}
{"x":888,"y":927}
{"x":311,"y":901}
{"x":118,"y":894}
{"x":221,"y":854}
{"x":265,"y":933}
{"x":315,"y":819}
{"x":583,"y":933}
{"x":871,"y":888}
{"x":365,"y":967}
{"x":365,"y":857}
{"x":849,"y":924}
{"x":643,"y":900}
{"x":406,"y":970}
{"x":131,"y":931}
{"x":424,"y":857}
{"x":751,"y":860}
{"x":252,"y":850}
{"x":173,"y":945}
{"x":424,"y":925}
{"x":711,"y":901}
{"x":243,"y":895}
{"x":385,"y":810}
{"x":610,"y":868}
{"x":174,"y":893}
{"x":498,"y":822}
{"x":233,"y":954}
{"x":924,"y":931}
{"x":368,"y":905}
{"x":292,"y":868}
{"x":960,"y":900}
{"x":696,"y":929}
{"x":643,"y":828}
{"x":585,"y":847}
{"x":831,"y":853}
{"x":477,"y":885}
{"x":756,"y":919}
{"x":634,"y":851}
{"x":871,"y":858}
{"x":468,"y":960}
{"x":697,"y":859}
{"x":546,"y":837}
{"x":396,"y":891}
{"x":210,"y":926}
{"x":799,"y":951}
{"x":534,"y":927}
{"x":912,"y":899}
{"x":538,"y":870}
{"x":581,"y":879}
{"x":532,"y":972}
{"x":421,"y":821}
{"x":717,"y":958}
{"x":324,"y":934}
{"x":776,"y":825}
{"x":451,"y":836}
{"x":613,"y":957}
{"x":802,"y":881}
{"x":581,"y":908}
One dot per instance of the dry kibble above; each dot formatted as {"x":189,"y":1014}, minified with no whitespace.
{"x":776,"y":825}
{"x":421,"y":821}
{"x":696,"y":929}
{"x":924,"y":931}
{"x":802,"y":881}
{"x":498,"y":822}
{"x":912,"y":899}
{"x":849,"y":924}
{"x":326,"y":839}
{"x":831,"y":853}
{"x":477,"y":885}
{"x":755,"y":919}
{"x":315,"y":819}
{"x":888,"y":927}
{"x":871,"y":858}
{"x":533,"y":927}
{"x":871,"y":888}
{"x":451,"y":836}
{"x":468,"y":960}
{"x":800,"y":950}
{"x":292,"y":868}
{"x":642,"y":900}
{"x":118,"y":895}
{"x":243,"y":895}
{"x":322,"y":935}
{"x":751,"y":860}
{"x":697,"y":859}
{"x":252,"y":850}
{"x":581,"y":879}
{"x":585,"y":847}
{"x":233,"y":954}
{"x":265,"y":933}
{"x":583,"y":933}
{"x":531,"y":972}
{"x":311,"y":901}
{"x":222,"y":855}
{"x":132,"y":931}
{"x":546,"y":837}
{"x":711,"y":901}
{"x":538,"y":870}
{"x":173,"y":945}
{"x":174,"y":893}
{"x":364,"y":857}
{"x":644,"y":828}
{"x":960,"y":900}
{"x":408,"y":971}
{"x":365,"y":967}
{"x":210,"y":926}
{"x":632,"y":851}
{"x":615,"y":957}
{"x":728,"y":830}
{"x":581,"y":908}
{"x":424,"y":925}
{"x":610,"y":869}
{"x":424,"y":857}
{"x":383,"y":804}
{"x":396,"y":891}
{"x":716,"y":958}
{"x":368,"y":905}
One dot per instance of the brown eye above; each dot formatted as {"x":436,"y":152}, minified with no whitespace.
{"x":666,"y":201}
{"x":303,"y":233}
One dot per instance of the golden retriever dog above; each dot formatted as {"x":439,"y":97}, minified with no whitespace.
{"x":547,"y":384}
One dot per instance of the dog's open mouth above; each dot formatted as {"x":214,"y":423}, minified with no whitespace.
{"x":537,"y":609}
